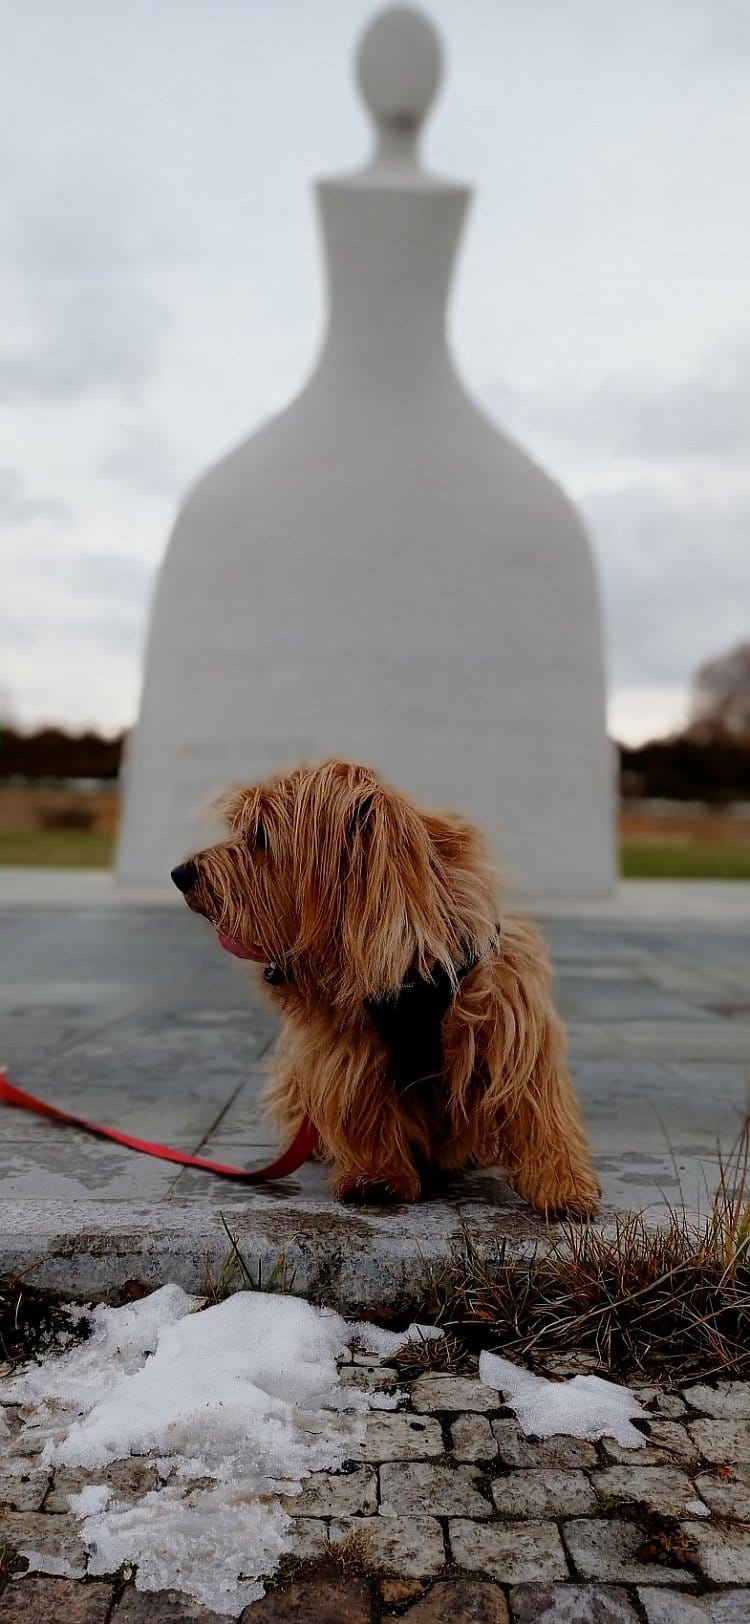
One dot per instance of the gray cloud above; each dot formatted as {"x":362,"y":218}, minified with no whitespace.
{"x":117,"y":579}
{"x":675,"y":580}
{"x":145,"y":458}
{"x":93,"y":320}
{"x":19,"y":505}
{"x":706,"y":415}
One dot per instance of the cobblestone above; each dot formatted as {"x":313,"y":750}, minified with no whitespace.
{"x":668,"y":1442}
{"x":724,"y":1553}
{"x":722,"y":1442}
{"x":673,"y":1438}
{"x":727,"y":1496}
{"x":127,"y":1478}
{"x":571,"y":1604}
{"x":54,"y":1601}
{"x":162,"y":1607}
{"x":514,"y":1553}
{"x":342,"y":1494}
{"x":424,"y":1488}
{"x":391,"y":1436}
{"x":467,"y":1602}
{"x":370,"y":1378}
{"x":311,"y":1601}
{"x":396,"y":1591}
{"x":308,"y":1538}
{"x":663,"y":1488}
{"x":412,"y":1547}
{"x":668,"y":1405}
{"x":727,"y":1401}
{"x":607,"y":1550}
{"x":472,"y":1438}
{"x":24,"y":1491}
{"x":51,"y":1544}
{"x":543,"y":1494}
{"x":723,"y":1607}
{"x":514,"y":1449}
{"x":434,"y":1392}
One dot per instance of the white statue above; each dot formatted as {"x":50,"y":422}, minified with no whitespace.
{"x":379,"y":573}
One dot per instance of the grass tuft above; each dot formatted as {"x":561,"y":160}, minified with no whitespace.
{"x":445,"y":1354}
{"x":236,"y":1274}
{"x":668,"y":1303}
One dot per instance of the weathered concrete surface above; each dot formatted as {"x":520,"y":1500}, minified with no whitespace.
{"x":130,"y":1015}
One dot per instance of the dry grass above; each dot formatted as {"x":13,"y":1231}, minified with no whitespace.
{"x":670,"y":1303}
{"x":33,"y":1322}
{"x":446,"y":1355}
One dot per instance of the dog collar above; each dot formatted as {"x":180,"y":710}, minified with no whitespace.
{"x":274,"y":975}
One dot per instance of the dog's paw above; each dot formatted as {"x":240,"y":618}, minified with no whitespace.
{"x":564,"y":1198}
{"x":375,"y":1192}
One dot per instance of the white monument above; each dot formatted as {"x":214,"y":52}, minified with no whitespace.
{"x":379,"y":573}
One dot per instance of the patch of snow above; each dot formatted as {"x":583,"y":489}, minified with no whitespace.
{"x":374,"y":1339}
{"x":697,"y":1508}
{"x":584,"y":1407}
{"x":213,"y":1544}
{"x":236,"y":1404}
{"x":91,"y":1499}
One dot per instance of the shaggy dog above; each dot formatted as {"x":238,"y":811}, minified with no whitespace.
{"x":419,"y":1030}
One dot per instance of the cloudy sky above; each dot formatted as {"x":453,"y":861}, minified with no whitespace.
{"x":161,"y":294}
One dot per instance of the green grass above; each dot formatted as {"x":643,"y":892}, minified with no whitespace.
{"x":55,"y":848}
{"x":78,"y":848}
{"x":657,"y":862}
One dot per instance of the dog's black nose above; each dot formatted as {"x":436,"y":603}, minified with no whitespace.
{"x":185,"y":876}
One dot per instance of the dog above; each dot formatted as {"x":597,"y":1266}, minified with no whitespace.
{"x":419,"y":1033}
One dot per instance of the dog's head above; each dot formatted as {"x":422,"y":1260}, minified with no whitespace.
{"x":342,"y":883}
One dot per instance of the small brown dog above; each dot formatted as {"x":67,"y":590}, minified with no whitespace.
{"x":419,"y":1027}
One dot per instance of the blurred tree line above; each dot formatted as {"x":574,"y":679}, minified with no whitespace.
{"x":708,"y":761}
{"x":52,"y":754}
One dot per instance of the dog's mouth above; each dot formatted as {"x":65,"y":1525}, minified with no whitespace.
{"x":231,"y":945}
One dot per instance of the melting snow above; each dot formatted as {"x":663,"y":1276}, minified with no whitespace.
{"x":236,"y":1405}
{"x":585,"y":1407}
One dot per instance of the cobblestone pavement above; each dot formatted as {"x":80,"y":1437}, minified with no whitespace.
{"x":449,"y":1515}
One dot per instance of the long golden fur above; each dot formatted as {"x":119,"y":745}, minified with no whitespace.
{"x":347,"y":886}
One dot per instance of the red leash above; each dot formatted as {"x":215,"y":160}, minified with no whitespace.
{"x":305,"y":1141}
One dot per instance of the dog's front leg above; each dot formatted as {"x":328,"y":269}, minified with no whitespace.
{"x":347,"y":1092}
{"x":372,"y":1143}
{"x":372,"y":1157}
{"x":545,"y":1147}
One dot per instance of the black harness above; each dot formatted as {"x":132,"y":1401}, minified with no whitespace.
{"x":409,"y":1020}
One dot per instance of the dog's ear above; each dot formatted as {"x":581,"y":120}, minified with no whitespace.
{"x":396,"y":910}
{"x":360,"y":817}
{"x":421,"y":891}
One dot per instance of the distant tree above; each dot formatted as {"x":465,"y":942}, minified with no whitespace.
{"x":721,"y":695}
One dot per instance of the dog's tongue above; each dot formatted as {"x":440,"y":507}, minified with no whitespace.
{"x":231,"y":945}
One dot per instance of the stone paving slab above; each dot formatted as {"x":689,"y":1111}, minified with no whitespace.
{"x":124,"y":1010}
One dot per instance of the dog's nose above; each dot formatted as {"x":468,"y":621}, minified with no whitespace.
{"x":185,"y":876}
